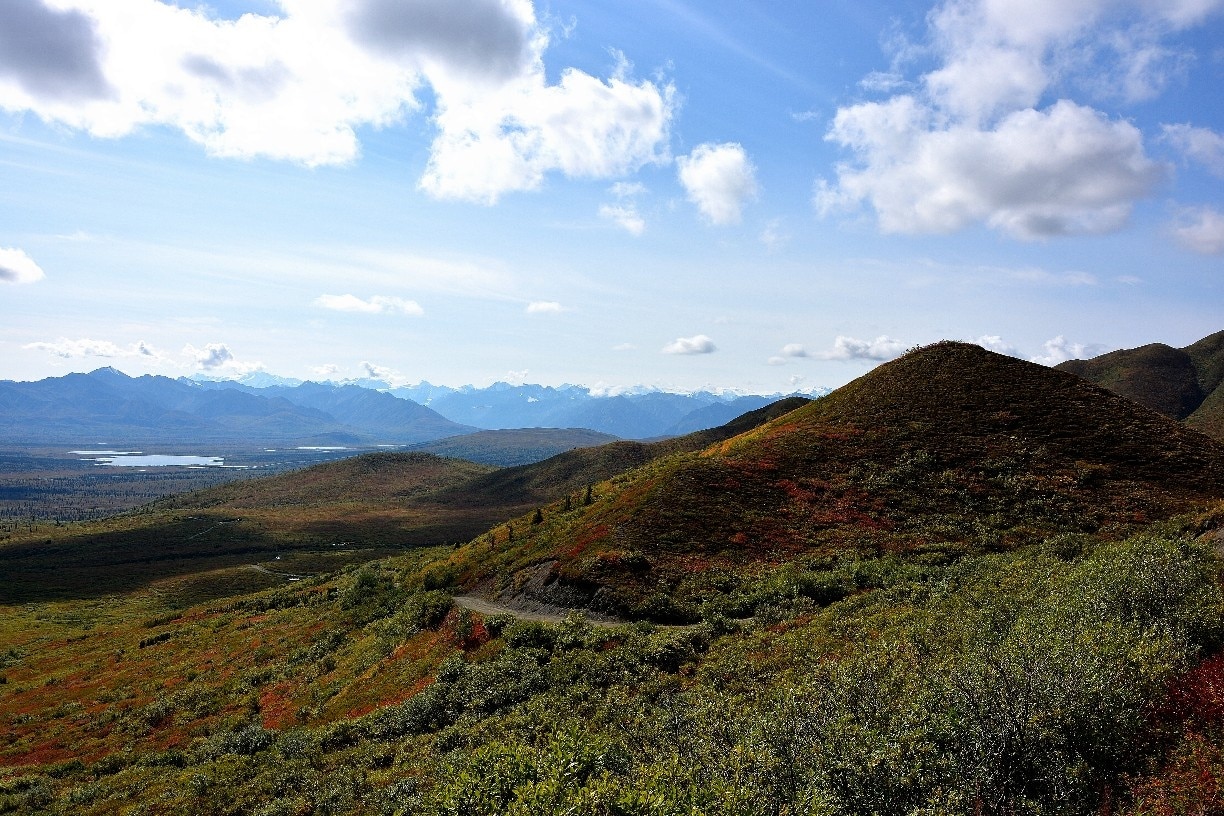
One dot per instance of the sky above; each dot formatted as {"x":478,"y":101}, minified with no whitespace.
{"x":761,"y":197}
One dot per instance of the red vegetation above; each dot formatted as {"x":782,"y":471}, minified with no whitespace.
{"x":1195,"y":700}
{"x":1190,"y":783}
{"x":276,"y":706}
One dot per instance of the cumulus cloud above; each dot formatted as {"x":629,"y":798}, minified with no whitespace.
{"x":995,"y":343}
{"x":1034,"y":174}
{"x":217,"y":358}
{"x":698,"y":344}
{"x":51,"y":54}
{"x":544,"y":307}
{"x":790,"y":351}
{"x":487,"y":40}
{"x":849,"y":348}
{"x":213,"y":355}
{"x":794,"y":350}
{"x":327,"y":371}
{"x":1202,"y":145}
{"x":390,"y":376}
{"x":298,"y":85}
{"x":378,"y":304}
{"x":582,"y":127}
{"x":975,"y":141}
{"x":1059,"y":350}
{"x":720,"y":179}
{"x":85,"y":347}
{"x":1201,"y":230}
{"x":18,"y":267}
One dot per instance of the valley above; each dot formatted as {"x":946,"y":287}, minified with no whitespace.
{"x":961,"y":584}
{"x":40,"y":483}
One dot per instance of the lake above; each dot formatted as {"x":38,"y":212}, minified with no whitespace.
{"x":138,"y":459}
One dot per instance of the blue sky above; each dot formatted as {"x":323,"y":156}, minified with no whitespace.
{"x":760,"y":196}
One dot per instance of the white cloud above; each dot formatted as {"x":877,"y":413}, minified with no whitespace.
{"x":719,"y":179}
{"x":1203,"y":145}
{"x":698,"y":344}
{"x":995,"y":343}
{"x":378,"y":304}
{"x":390,"y":376}
{"x":794,"y":350}
{"x":791,"y":351}
{"x":217,"y":357}
{"x":85,"y":347}
{"x":850,"y":348}
{"x":1035,"y":174}
{"x":544,"y":307}
{"x":482,"y":40}
{"x":1059,"y":350}
{"x":1201,"y":230}
{"x":977,"y":140}
{"x":18,"y":267}
{"x":625,"y":216}
{"x":300,"y":84}
{"x":50,"y":53}
{"x":213,"y":355}
{"x":327,"y":371}
{"x":582,"y":127}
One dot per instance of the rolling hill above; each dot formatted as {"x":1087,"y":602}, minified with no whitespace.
{"x":1185,"y":384}
{"x":519,"y":446}
{"x":369,"y":505}
{"x":949,"y":449}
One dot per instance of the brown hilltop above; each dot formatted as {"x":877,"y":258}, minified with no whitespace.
{"x":1184,"y":384}
{"x":948,"y":448}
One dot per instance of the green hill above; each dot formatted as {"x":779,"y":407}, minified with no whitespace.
{"x":949,"y":449}
{"x":520,"y":446}
{"x":1180,"y":383}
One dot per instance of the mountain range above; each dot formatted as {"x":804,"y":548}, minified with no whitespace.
{"x":109,"y":406}
{"x":638,"y":413}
